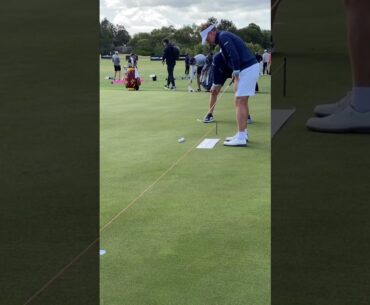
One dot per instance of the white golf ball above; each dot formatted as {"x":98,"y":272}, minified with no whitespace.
{"x":181,"y":140}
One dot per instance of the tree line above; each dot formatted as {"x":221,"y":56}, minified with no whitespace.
{"x":187,"y":39}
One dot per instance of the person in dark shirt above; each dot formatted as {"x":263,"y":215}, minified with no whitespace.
{"x":258,"y":57}
{"x":169,"y":57}
{"x":187,"y":64}
{"x":245,"y":72}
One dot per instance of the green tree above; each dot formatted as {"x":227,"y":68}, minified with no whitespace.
{"x":186,"y":38}
{"x":143,"y":47}
{"x":254,"y":47}
{"x":212,"y":20}
{"x":227,"y":25}
{"x":106,"y":37}
{"x":266,"y":43}
{"x":121,"y":36}
{"x":253,"y":33}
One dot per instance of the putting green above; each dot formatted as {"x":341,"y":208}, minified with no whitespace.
{"x":319,"y":190}
{"x":181,"y":225}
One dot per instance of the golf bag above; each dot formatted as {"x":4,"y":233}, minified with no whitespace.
{"x":206,"y":79}
{"x":132,"y":79}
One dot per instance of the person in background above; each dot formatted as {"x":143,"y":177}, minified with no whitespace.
{"x":169,"y":57}
{"x":196,"y":64}
{"x":187,"y":64}
{"x":265,"y":61}
{"x":117,"y":65}
{"x":269,"y":64}
{"x":259,"y":60}
{"x":133,"y":60}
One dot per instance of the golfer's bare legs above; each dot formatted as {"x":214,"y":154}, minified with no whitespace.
{"x":241,"y":109}
{"x":355,"y":117}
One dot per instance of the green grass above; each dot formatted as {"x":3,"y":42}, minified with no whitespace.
{"x":201,"y":234}
{"x":320,"y":195}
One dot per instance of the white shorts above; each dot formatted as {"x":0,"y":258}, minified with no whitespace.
{"x":247,"y":81}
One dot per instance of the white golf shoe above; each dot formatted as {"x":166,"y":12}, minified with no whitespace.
{"x":328,"y":109}
{"x":346,"y":120}
{"x":236,"y":135}
{"x":236,"y":142}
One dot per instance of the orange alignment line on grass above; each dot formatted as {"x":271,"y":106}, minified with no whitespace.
{"x":56,"y":276}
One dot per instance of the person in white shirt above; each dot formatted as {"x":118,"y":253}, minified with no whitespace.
{"x":265,"y":60}
{"x":196,"y":66}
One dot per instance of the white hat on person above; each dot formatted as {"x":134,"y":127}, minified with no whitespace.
{"x":205,"y":32}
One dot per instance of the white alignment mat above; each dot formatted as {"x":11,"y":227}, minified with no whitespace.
{"x":208,"y":143}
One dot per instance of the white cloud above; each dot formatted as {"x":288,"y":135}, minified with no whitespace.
{"x":146,"y":15}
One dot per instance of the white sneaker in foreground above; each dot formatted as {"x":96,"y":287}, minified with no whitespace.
{"x":235,"y":136}
{"x":328,"y":109}
{"x":347,"y":120}
{"x":236,"y":142}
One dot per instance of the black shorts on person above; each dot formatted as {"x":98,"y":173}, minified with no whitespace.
{"x":117,"y":68}
{"x":199,"y":70}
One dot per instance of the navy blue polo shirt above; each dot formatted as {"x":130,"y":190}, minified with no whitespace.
{"x":221,"y":71}
{"x":236,"y":53}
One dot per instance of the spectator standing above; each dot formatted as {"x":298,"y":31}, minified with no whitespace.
{"x":117,"y":65}
{"x":169,"y":57}
{"x":265,"y":60}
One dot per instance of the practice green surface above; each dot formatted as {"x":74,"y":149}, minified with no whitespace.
{"x":320,"y":185}
{"x":182,"y":226}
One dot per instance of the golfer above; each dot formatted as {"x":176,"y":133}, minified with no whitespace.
{"x":245,"y":72}
{"x":196,"y":64}
{"x":117,"y":65}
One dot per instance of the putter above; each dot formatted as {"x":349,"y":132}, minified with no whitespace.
{"x":218,"y":98}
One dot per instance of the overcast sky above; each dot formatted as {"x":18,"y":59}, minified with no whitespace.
{"x":146,"y":15}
